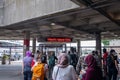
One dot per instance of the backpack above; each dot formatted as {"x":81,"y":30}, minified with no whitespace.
{"x":38,"y":72}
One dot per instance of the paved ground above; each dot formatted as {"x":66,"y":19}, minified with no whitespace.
{"x":11,"y":72}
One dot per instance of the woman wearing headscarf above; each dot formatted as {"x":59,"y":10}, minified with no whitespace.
{"x":93,"y":72}
{"x":27,"y":66}
{"x":64,"y":71}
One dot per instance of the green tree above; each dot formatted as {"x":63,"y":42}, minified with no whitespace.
{"x":106,"y":42}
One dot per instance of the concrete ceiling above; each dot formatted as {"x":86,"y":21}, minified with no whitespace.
{"x":94,"y":16}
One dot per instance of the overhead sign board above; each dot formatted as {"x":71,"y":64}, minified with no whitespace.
{"x":59,"y":39}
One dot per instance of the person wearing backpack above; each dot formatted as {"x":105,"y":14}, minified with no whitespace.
{"x":39,"y":69}
{"x":112,"y":65}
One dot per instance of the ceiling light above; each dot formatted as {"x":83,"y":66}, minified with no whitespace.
{"x":89,"y":37}
{"x":116,"y":35}
{"x":52,"y":24}
{"x":102,"y":36}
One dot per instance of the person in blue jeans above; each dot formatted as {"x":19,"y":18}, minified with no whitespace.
{"x":112,"y":65}
{"x":51,"y":63}
{"x":27,"y":66}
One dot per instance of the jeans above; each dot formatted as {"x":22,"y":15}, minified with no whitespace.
{"x":112,"y":74}
{"x":27,"y":75}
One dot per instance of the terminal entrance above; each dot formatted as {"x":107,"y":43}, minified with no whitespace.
{"x":53,"y":47}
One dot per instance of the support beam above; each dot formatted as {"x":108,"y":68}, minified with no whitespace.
{"x":98,"y":45}
{"x":78,"y":47}
{"x":98,"y":19}
{"x":34,"y":45}
{"x":10,"y":55}
{"x":65,"y":48}
{"x":90,"y":3}
{"x":98,"y":42}
{"x":77,"y":28}
{"x":26,"y":41}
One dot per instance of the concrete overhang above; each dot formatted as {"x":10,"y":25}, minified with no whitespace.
{"x":79,"y":23}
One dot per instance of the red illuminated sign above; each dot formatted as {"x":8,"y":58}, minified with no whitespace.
{"x":59,"y":39}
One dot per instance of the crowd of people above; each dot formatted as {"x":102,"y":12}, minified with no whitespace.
{"x":96,"y":67}
{"x":68,"y":66}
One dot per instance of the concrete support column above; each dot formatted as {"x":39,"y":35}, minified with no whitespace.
{"x":65,"y":48}
{"x":78,"y":47}
{"x":26,"y":41}
{"x":10,"y":56}
{"x":98,"y":42}
{"x":34,"y":45}
{"x":56,"y":52}
{"x":98,"y":46}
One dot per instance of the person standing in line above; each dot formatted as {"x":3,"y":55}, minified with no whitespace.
{"x":79,"y":65}
{"x":26,"y":68}
{"x":98,"y":58}
{"x":73,"y":57}
{"x":93,"y":72}
{"x":40,"y":69}
{"x":64,"y":71}
{"x":112,"y":65}
{"x":36,"y":54}
{"x":51,"y":63}
{"x":105,"y":55}
{"x":33,"y":60}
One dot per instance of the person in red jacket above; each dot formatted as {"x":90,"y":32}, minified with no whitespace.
{"x":33,"y":61}
{"x":105,"y":55}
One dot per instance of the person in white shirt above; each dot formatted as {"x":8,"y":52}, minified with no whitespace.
{"x":64,"y":71}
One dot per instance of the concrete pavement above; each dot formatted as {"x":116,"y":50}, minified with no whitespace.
{"x":11,"y":72}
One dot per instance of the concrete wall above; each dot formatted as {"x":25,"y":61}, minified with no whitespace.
{"x":1,"y":16}
{"x":1,"y":12}
{"x":19,"y":10}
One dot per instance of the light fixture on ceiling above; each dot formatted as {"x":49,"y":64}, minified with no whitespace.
{"x":102,"y":36}
{"x":52,"y":24}
{"x":90,"y":37}
{"x":115,"y":35}
{"x":112,"y":33}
